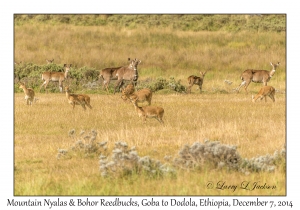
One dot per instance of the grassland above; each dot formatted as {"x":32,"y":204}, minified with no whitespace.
{"x":256,"y":129}
{"x":216,"y":114}
{"x":162,"y":52}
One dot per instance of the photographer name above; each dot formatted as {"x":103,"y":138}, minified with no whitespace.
{"x":245,"y":185}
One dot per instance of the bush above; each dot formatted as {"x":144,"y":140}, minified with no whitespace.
{"x":123,"y":161}
{"x":77,"y":78}
{"x":126,"y":161}
{"x":184,"y":22}
{"x":84,"y":145}
{"x":161,"y":83}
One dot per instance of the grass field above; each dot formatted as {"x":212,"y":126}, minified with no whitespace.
{"x":256,"y":129}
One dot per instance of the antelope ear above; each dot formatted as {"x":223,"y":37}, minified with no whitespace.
{"x":65,"y":65}
{"x":278,"y":63}
{"x":252,"y":96}
{"x":70,"y":65}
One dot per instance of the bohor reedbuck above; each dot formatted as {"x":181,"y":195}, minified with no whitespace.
{"x":142,"y":95}
{"x":55,"y":77}
{"x":127,"y":73}
{"x":264,"y":92}
{"x":155,"y":112}
{"x":257,"y":76}
{"x":195,"y":80}
{"x":78,"y":99}
{"x":29,"y":94}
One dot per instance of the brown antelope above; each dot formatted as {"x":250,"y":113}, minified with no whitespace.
{"x":29,"y":94}
{"x":77,"y":99}
{"x":257,"y":76}
{"x":49,"y":61}
{"x":195,"y":80}
{"x":141,"y":95}
{"x":55,"y":77}
{"x":129,"y":73}
{"x":264,"y":92}
{"x":148,"y":111}
{"x":109,"y":74}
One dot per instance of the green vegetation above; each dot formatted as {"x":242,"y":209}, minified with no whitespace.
{"x":165,"y":52}
{"x":180,"y":22}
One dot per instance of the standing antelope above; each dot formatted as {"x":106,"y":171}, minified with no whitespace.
{"x":257,"y":76}
{"x":77,"y":99}
{"x":50,"y":61}
{"x":195,"y":80}
{"x":129,"y":73}
{"x":141,"y":95}
{"x":148,"y":111}
{"x":55,"y":77}
{"x":29,"y":94}
{"x":264,"y":92}
{"x":109,"y":74}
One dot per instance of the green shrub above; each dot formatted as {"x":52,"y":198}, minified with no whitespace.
{"x":184,"y":22}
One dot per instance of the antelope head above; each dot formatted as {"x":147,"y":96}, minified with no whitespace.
{"x":50,"y":61}
{"x":134,"y":63}
{"x":67,"y":89}
{"x":22,"y":85}
{"x":202,"y":73}
{"x":67,"y":67}
{"x":274,"y":65}
{"x":134,"y":99}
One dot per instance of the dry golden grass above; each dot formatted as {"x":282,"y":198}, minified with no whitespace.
{"x":257,"y":129}
{"x":163,"y":52}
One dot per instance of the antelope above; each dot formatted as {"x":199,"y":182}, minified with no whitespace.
{"x":50,"y":61}
{"x":195,"y":80}
{"x":129,"y":73}
{"x":29,"y":94}
{"x":257,"y":76}
{"x":109,"y":74}
{"x":77,"y":99}
{"x":148,"y":111}
{"x":55,"y":77}
{"x":264,"y":92}
{"x":141,"y":95}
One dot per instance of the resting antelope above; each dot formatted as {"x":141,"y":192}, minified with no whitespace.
{"x":129,"y":73}
{"x":49,"y":61}
{"x":141,"y":95}
{"x":29,"y":94}
{"x":55,"y":77}
{"x":77,"y":99}
{"x":257,"y":76}
{"x":148,"y":111}
{"x":195,"y":80}
{"x":264,"y":92}
{"x":109,"y":74}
